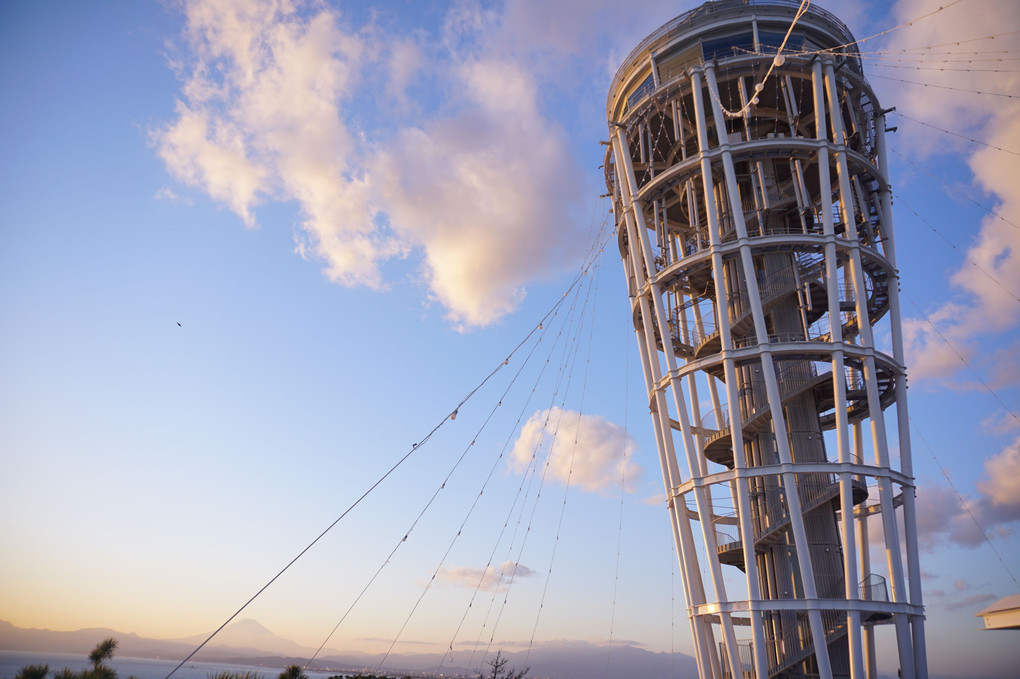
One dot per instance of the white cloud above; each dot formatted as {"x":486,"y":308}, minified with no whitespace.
{"x":203,"y":151}
{"x":166,"y":193}
{"x":1007,"y":368}
{"x":585,"y":450}
{"x":1001,"y":368}
{"x":564,"y":34}
{"x":404,"y":62}
{"x":1002,"y":487}
{"x":942,"y":516}
{"x":573,"y":26}
{"x":953,"y":602}
{"x":485,"y":193}
{"x":260,"y":117}
{"x":982,"y":305}
{"x":1000,"y":422}
{"x":490,"y":578}
{"x":973,"y":601}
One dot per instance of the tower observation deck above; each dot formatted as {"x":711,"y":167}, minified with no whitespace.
{"x":752,"y":204}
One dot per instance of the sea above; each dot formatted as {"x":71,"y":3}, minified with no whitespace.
{"x":141,"y":668}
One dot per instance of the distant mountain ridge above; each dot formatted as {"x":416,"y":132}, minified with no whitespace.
{"x":243,"y":639}
{"x":250,"y":636}
{"x":248,"y":642}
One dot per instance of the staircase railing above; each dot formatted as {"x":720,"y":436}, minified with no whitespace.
{"x":795,"y":643}
{"x":791,"y":378}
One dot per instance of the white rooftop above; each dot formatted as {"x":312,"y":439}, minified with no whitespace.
{"x":1003,"y":614}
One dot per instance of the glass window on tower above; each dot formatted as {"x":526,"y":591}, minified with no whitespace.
{"x":769,"y":41}
{"x":728,"y":46}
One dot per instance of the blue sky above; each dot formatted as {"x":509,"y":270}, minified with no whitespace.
{"x":356,"y":211}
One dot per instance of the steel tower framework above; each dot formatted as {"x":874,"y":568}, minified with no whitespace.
{"x":754,"y":219}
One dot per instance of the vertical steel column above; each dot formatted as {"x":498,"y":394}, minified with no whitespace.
{"x":635,"y":223}
{"x":736,"y":422}
{"x":851,"y":589}
{"x":878,"y":432}
{"x":771,"y":387}
{"x":705,"y":517}
{"x":902,"y":413}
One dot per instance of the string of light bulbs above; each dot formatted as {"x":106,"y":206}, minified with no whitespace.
{"x":778,"y":60}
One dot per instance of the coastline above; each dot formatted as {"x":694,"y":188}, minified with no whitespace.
{"x":140,"y":668}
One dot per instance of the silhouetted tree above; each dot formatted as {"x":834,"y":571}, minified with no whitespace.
{"x":293,"y":672}
{"x":33,"y":672}
{"x":103,"y":651}
{"x":500,"y":670}
{"x":99,"y":672}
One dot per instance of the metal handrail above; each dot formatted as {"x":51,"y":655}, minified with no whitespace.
{"x":872,"y":588}
{"x":796,"y":642}
{"x":790,"y":378}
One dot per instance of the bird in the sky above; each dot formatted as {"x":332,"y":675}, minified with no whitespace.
{"x":179,"y":324}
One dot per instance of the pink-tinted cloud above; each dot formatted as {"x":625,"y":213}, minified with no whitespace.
{"x":1000,"y":422}
{"x":984,"y":296}
{"x":490,"y":578}
{"x":483,"y":194}
{"x":1002,"y":487}
{"x":944,"y":517}
{"x":972,"y":601}
{"x":587,"y":451}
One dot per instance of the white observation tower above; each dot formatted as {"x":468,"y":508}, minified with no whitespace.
{"x":749,"y":181}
